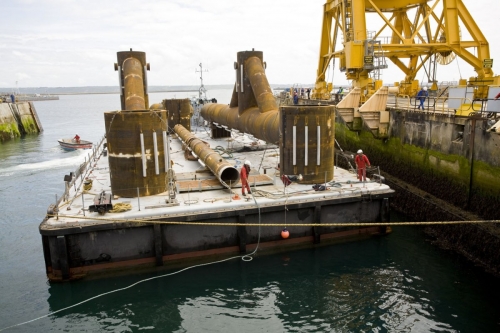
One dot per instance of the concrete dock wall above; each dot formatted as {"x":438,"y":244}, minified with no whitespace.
{"x":448,"y":169}
{"x":453,"y":158}
{"x":17,"y":119}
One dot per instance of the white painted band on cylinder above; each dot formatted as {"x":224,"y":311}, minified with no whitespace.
{"x":236,"y":73}
{"x":241,"y":75}
{"x":294,"y":148}
{"x":145,"y":80}
{"x":306,"y":134}
{"x":155,"y":148}
{"x":143,"y":155}
{"x":318,"y":139}
{"x":120,"y":80}
{"x":165,"y":151}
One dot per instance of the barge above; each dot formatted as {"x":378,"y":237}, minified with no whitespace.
{"x":159,"y":191}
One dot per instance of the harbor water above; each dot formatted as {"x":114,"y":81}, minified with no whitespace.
{"x":396,"y":283}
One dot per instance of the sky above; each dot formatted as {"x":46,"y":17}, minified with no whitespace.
{"x":68,"y":43}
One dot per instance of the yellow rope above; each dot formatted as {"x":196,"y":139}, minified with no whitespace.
{"x":120,"y":207}
{"x":338,"y":224}
{"x":87,"y":185}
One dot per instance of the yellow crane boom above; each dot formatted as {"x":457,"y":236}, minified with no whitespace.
{"x":412,"y":34}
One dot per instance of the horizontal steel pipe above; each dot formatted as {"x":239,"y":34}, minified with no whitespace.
{"x":224,"y":171}
{"x":263,"y":126}
{"x":253,"y":108}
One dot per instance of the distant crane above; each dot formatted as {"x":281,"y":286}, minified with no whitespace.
{"x":201,"y":90}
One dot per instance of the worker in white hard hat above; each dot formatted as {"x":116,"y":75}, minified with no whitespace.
{"x":245,"y":171}
{"x":422,"y":94}
{"x":361,"y":163}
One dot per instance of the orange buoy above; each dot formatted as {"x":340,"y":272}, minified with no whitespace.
{"x":285,"y":234}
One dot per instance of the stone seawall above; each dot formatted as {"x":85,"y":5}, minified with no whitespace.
{"x":18,"y":119}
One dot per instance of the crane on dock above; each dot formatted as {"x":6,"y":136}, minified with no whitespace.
{"x":420,"y":35}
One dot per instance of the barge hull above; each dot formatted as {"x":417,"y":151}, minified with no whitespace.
{"x":72,"y":253}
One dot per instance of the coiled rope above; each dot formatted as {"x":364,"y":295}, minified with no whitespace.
{"x":120,"y":207}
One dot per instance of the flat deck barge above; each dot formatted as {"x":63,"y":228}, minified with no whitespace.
{"x":78,"y":242}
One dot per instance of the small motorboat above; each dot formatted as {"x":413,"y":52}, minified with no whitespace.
{"x":74,"y":143}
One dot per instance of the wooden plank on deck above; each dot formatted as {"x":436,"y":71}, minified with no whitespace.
{"x":214,"y":184}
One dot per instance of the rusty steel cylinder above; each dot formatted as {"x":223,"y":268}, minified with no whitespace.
{"x":224,"y":171}
{"x":133,"y":85}
{"x":253,"y":108}
{"x":308,"y":137}
{"x":263,"y":126}
{"x":130,"y":173}
{"x":261,"y":88}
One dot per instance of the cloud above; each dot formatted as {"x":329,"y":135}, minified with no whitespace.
{"x":72,"y":43}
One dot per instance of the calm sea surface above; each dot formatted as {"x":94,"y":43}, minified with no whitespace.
{"x":396,"y":283}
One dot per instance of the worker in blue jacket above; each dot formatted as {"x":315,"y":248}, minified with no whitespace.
{"x":422,"y":94}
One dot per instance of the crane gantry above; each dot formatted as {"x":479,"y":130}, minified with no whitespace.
{"x":421,"y":34}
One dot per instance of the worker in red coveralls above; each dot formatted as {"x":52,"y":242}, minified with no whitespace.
{"x":77,"y":138}
{"x":245,"y":171}
{"x":361,"y":163}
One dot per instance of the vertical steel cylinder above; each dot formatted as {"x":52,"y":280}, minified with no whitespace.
{"x":179,"y":111}
{"x":224,"y":171}
{"x":307,"y":147}
{"x":123,"y":135}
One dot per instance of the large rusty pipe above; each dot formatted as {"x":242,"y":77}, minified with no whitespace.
{"x":224,"y":171}
{"x":263,"y":126}
{"x":133,"y":84}
{"x":260,"y":85}
{"x":253,"y":108}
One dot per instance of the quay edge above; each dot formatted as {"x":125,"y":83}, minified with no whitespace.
{"x":17,"y":119}
{"x":448,"y":157}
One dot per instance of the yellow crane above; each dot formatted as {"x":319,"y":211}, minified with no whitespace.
{"x":412,"y":34}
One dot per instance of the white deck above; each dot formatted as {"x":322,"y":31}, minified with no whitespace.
{"x":73,"y":212}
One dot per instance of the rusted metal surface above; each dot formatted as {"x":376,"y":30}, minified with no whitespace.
{"x":123,"y":130}
{"x":132,"y":67}
{"x":261,"y":89}
{"x":224,"y":171}
{"x":179,"y":111}
{"x":308,"y":138}
{"x":253,"y":108}
{"x":134,"y":85}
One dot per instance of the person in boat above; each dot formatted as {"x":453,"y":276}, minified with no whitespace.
{"x":361,"y":163}
{"x":295,"y":99}
{"x":245,"y":171}
{"x":422,"y":94}
{"x":77,"y":138}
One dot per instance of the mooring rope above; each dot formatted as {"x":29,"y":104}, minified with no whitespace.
{"x":236,"y":224}
{"x":245,"y":257}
